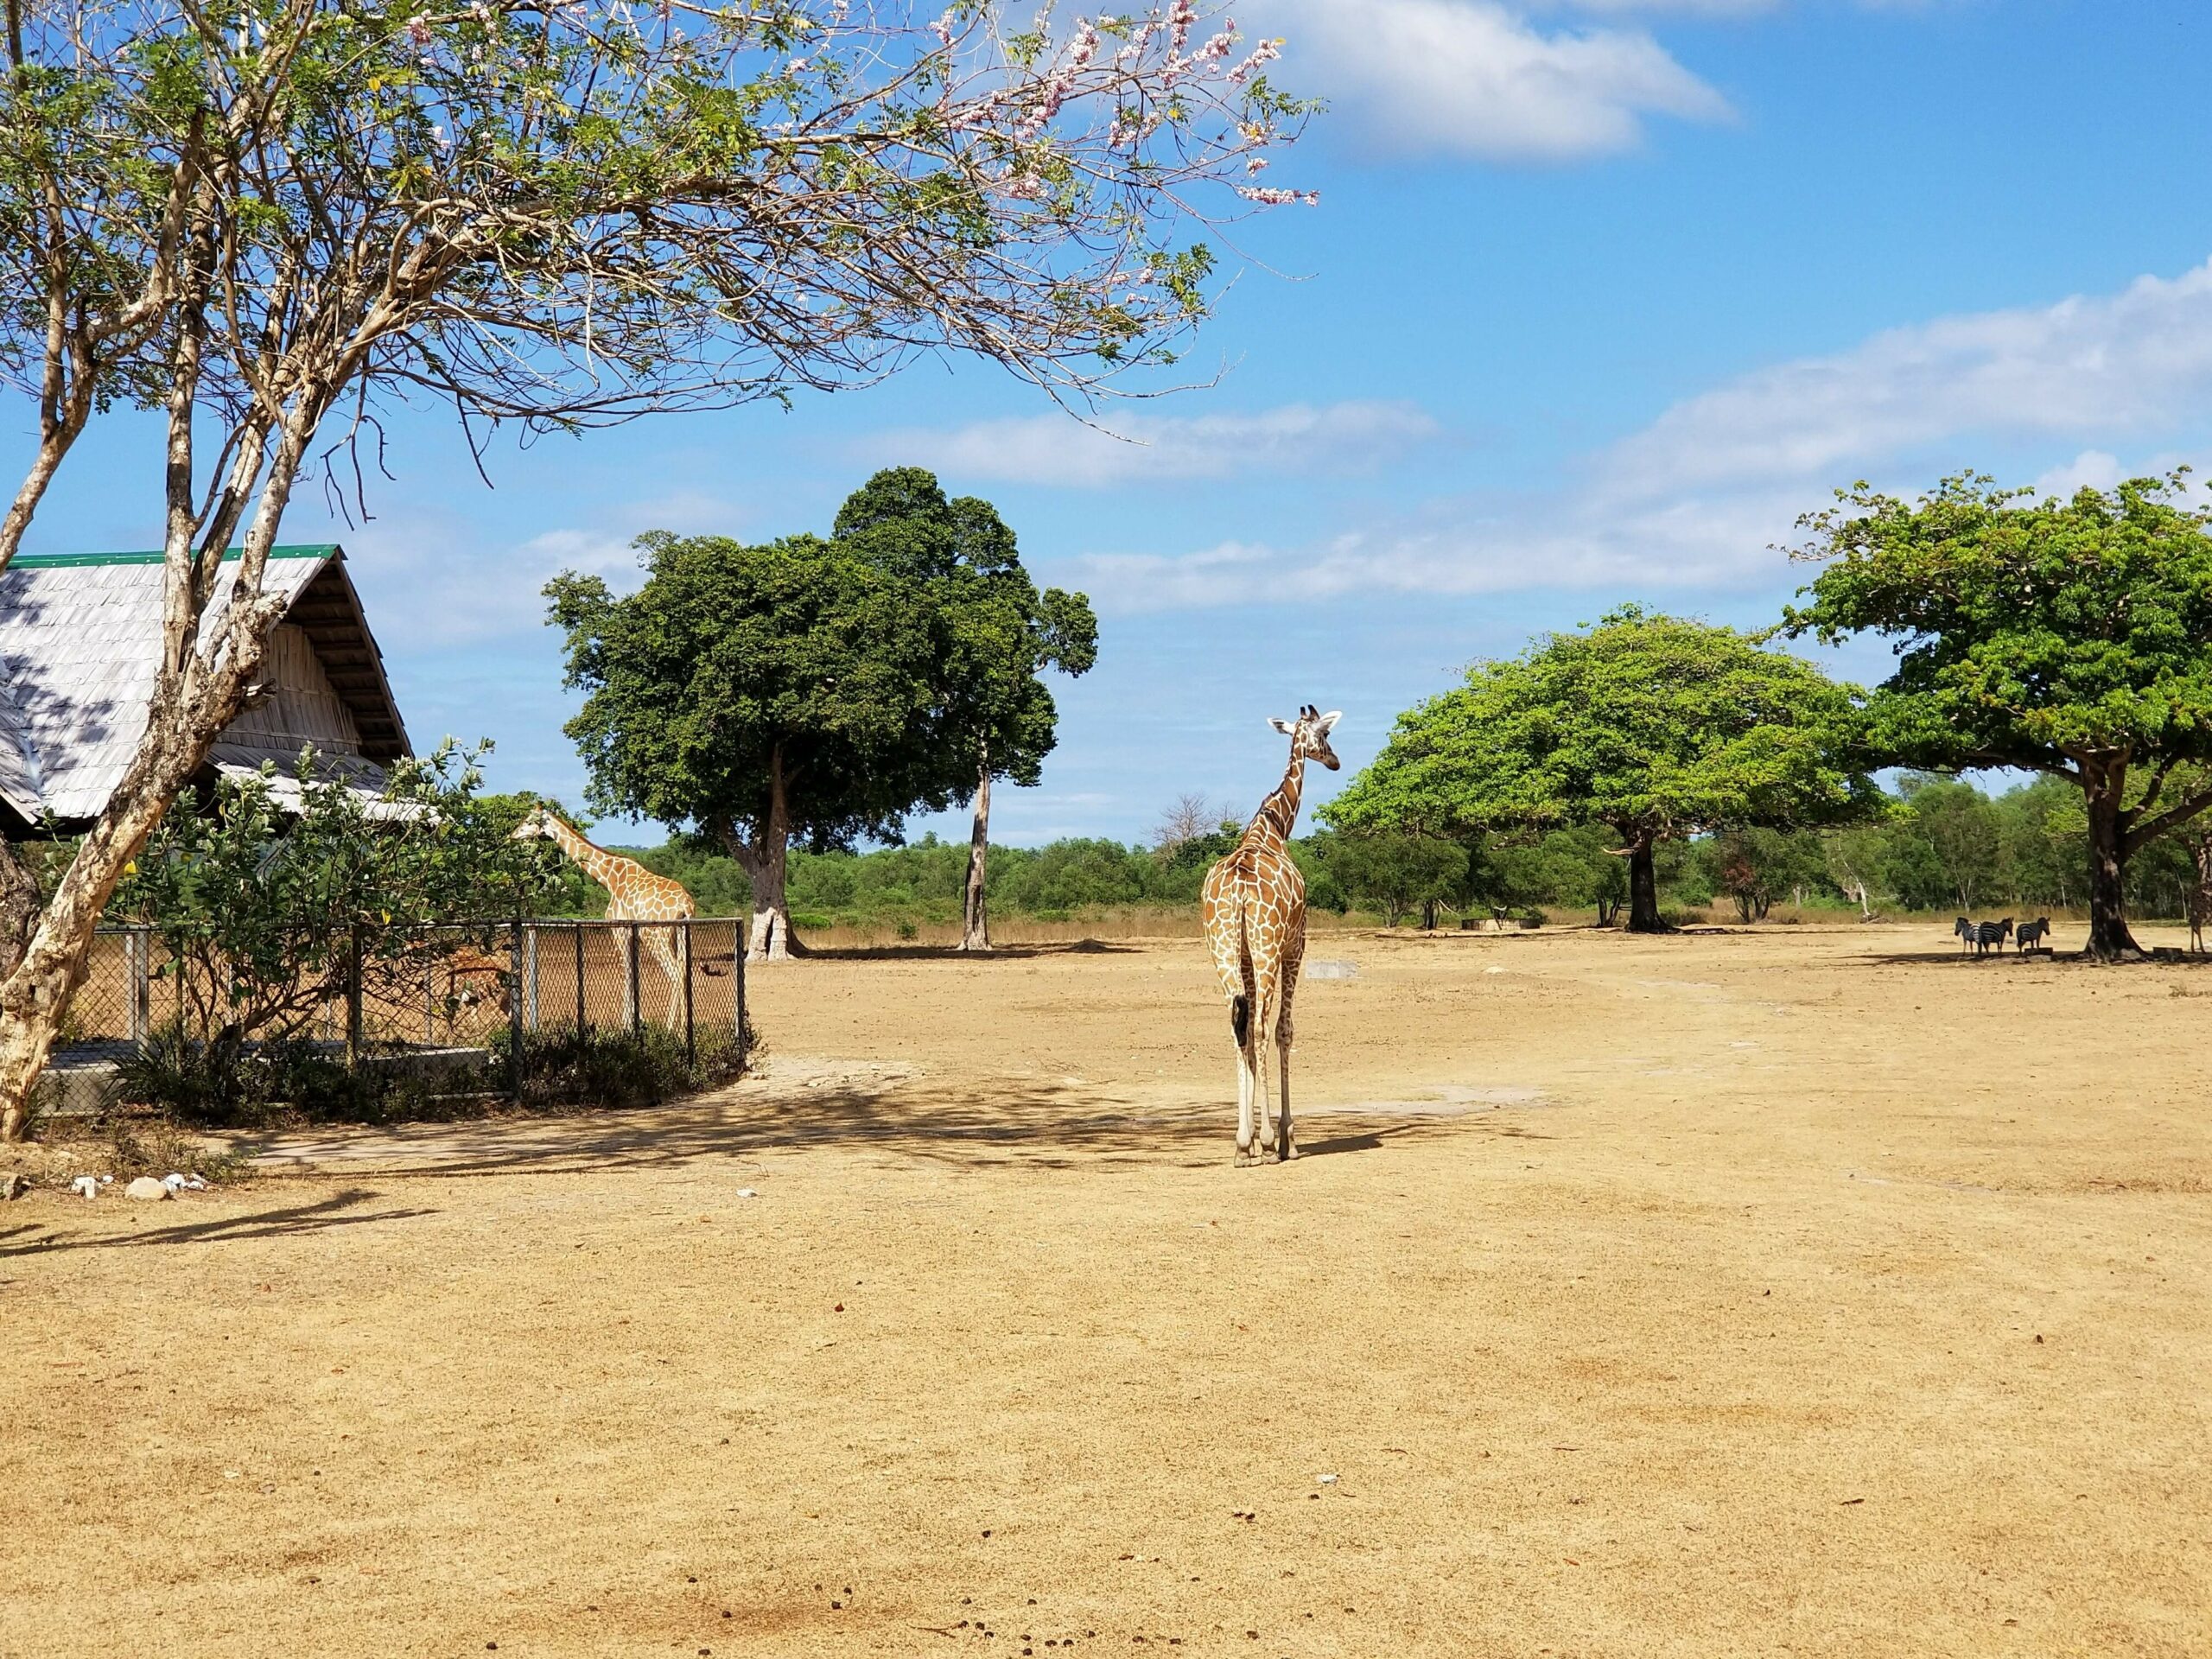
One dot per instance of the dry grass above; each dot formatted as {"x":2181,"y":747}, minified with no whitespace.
{"x":1805,"y":1290}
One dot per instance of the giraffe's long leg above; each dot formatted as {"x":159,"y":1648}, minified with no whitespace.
{"x":1286,"y":1140}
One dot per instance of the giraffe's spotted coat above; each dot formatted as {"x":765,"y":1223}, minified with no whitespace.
{"x":1253,"y":908}
{"x":634,"y":893}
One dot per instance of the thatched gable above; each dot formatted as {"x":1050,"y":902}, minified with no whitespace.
{"x":79,"y":643}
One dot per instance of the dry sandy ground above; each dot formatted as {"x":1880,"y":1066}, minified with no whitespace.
{"x":1791,"y":1291}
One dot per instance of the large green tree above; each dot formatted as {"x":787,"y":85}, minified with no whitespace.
{"x":757,"y":693}
{"x":1652,"y":726}
{"x":271,"y":221}
{"x":2067,"y":636}
{"x":996,"y":635}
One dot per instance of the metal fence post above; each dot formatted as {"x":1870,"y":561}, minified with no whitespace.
{"x":353,"y":998}
{"x":690,"y":1037}
{"x":737,"y":967}
{"x":514,"y":1011}
{"x":138,"y":955}
{"x":632,"y":1013}
{"x":580,"y":979}
{"x":529,"y":971}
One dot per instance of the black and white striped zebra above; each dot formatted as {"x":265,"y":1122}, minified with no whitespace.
{"x":1964,"y":929}
{"x":2029,"y":935}
{"x":1986,"y":934}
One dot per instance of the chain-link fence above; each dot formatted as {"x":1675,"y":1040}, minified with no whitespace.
{"x":444,"y":988}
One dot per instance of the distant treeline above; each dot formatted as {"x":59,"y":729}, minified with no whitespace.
{"x":1941,"y":846}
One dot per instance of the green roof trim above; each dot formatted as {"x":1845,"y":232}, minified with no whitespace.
{"x":79,"y":561}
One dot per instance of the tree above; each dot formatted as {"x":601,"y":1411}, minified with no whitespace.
{"x":994,"y":717}
{"x":1189,"y":816}
{"x":1854,"y":856}
{"x":2072,"y":638}
{"x":1652,"y":726}
{"x":1395,"y":873}
{"x":262,"y":911}
{"x":273,"y":224}
{"x":759,"y":693}
{"x":1951,"y":850}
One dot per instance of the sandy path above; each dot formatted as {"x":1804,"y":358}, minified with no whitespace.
{"x":1679,"y":1296}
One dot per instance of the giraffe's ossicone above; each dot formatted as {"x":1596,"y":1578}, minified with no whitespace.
{"x":1253,"y":908}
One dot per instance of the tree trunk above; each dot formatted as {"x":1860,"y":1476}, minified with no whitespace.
{"x":974,"y":917}
{"x":769,"y":938}
{"x":1865,"y":910}
{"x":35,"y":994}
{"x":2109,"y":939}
{"x":1643,"y":888}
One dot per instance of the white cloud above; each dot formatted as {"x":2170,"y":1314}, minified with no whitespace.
{"x":1056,"y":449}
{"x":1476,"y":77}
{"x":1702,"y":496}
{"x":2118,"y":363}
{"x":438,"y":573}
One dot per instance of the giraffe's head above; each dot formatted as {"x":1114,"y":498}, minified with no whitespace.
{"x":539,"y":823}
{"x":1309,"y":735}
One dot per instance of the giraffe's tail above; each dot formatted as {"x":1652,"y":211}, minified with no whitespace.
{"x":1240,"y":1017}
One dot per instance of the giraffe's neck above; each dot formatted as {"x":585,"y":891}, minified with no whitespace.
{"x":1278,"y":814}
{"x":603,"y":866}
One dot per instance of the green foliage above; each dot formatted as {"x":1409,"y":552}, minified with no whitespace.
{"x":2028,"y":632}
{"x":995,"y":631}
{"x":1649,"y":725}
{"x":597,"y":1068}
{"x":1395,"y":874}
{"x":733,"y":665}
{"x":255,"y":906}
{"x":2071,"y":637}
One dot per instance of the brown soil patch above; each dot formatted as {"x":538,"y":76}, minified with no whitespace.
{"x":1788,"y":1290}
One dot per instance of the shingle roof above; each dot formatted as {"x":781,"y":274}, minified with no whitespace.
{"x":79,"y":645}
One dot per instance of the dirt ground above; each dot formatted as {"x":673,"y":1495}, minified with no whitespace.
{"x":1792,"y":1290}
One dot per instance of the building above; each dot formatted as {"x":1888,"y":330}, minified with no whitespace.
{"x":80,"y":639}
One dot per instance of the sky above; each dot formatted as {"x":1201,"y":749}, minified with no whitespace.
{"x":1599,"y":296}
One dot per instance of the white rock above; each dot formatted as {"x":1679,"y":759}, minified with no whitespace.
{"x":1328,"y":1480}
{"x":746,"y":1192}
{"x":145,"y":1187}
{"x":14,"y":1186}
{"x":87,"y":1184}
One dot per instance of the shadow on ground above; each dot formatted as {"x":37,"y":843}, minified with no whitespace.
{"x":338,"y":1210}
{"x":1014,"y":1122}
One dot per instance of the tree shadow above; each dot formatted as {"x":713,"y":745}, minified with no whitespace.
{"x":954,"y":953}
{"x":319,"y":1216}
{"x":971,"y":1124}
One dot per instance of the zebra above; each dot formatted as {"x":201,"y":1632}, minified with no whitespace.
{"x":1988,"y":933}
{"x":1964,"y":929}
{"x":2029,"y":935}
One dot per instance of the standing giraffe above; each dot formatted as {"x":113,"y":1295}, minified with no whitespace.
{"x":634,"y":893}
{"x":1253,"y":908}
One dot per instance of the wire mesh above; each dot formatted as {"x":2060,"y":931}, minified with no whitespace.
{"x":445,"y":986}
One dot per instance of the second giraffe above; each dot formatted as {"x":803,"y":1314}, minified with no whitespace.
{"x":1254,"y":910}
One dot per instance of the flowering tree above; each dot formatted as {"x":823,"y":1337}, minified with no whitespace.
{"x":274,"y":223}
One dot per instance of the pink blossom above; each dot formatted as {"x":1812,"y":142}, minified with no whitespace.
{"x":1182,"y":16}
{"x":419,"y":32}
{"x":1268,"y":196}
{"x":1265,"y":53}
{"x":944,"y":29}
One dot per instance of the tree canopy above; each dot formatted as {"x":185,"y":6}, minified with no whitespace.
{"x":758,"y":692}
{"x":274,"y":225}
{"x":2067,"y":636}
{"x":995,"y":634}
{"x":1654,"y":726}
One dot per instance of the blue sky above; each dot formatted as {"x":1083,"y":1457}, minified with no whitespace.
{"x":1600,"y":295}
